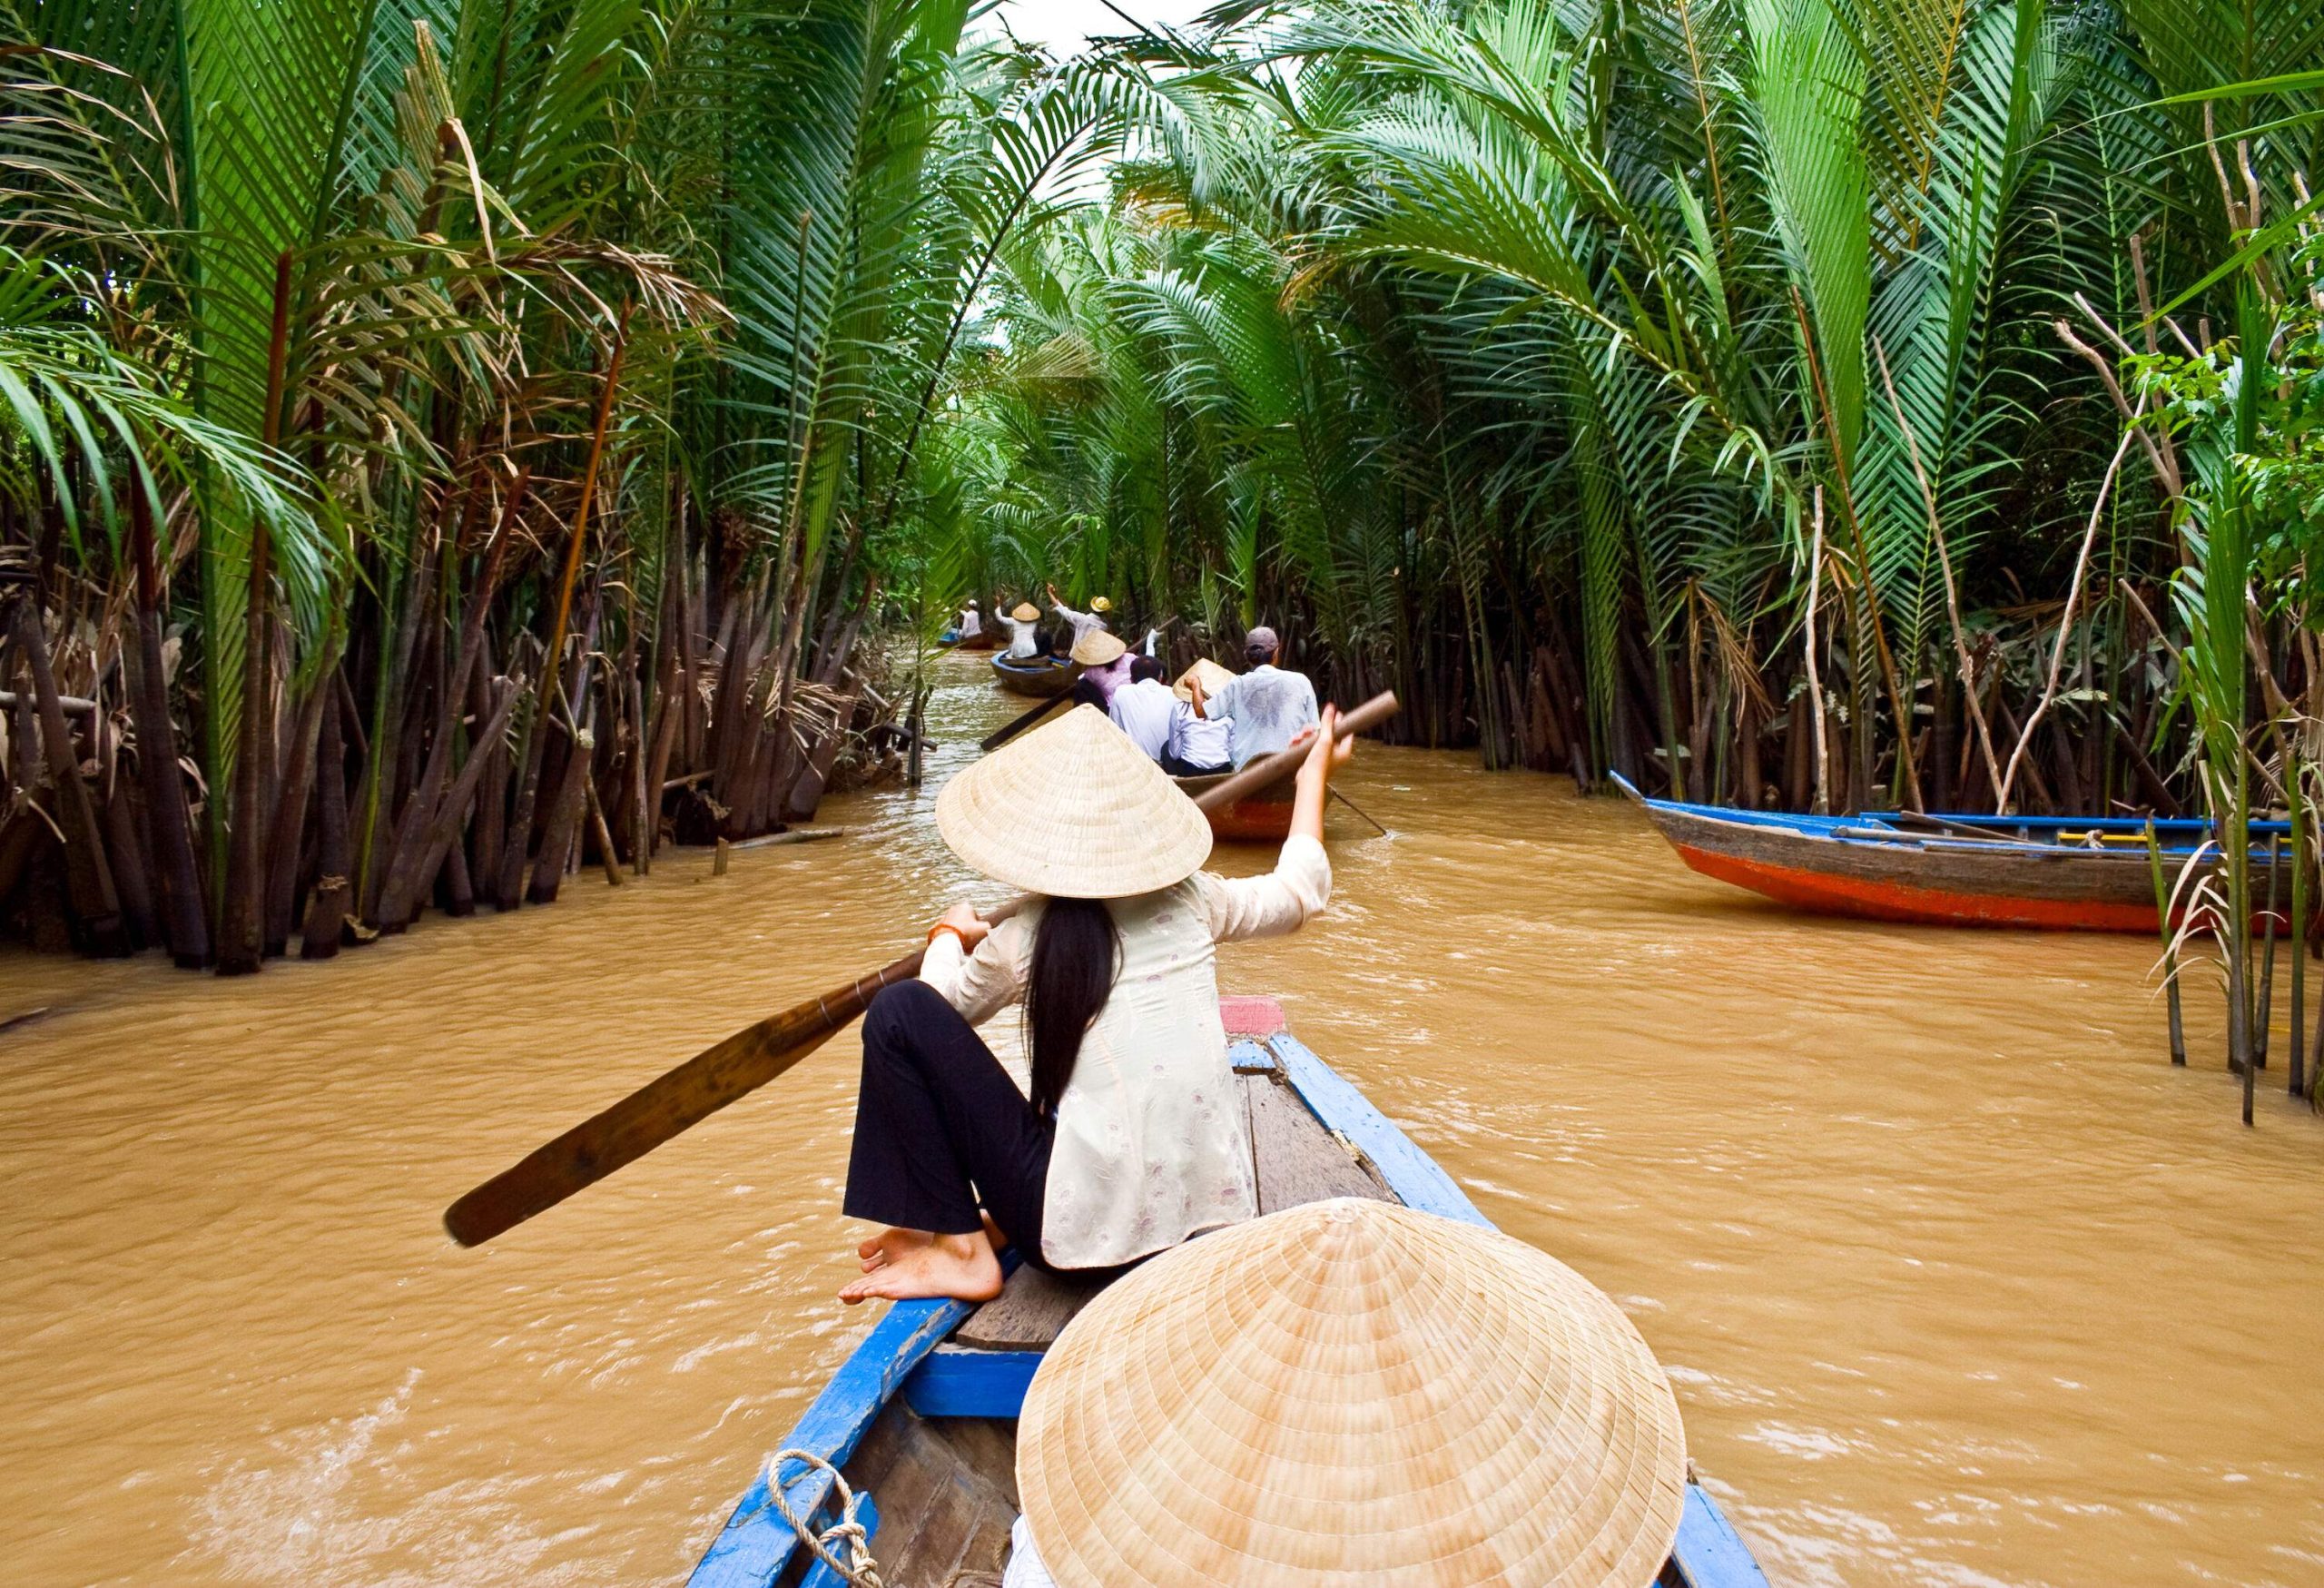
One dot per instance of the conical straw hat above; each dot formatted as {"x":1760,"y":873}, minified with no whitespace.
{"x":1212,"y":675}
{"x":1073,"y":809}
{"x":1352,"y":1393}
{"x":1026,"y":612}
{"x":1098,"y":648}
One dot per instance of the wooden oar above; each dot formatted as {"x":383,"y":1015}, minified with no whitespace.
{"x":1000,"y":736}
{"x":751,"y":1058}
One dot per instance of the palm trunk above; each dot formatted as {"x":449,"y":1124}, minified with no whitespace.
{"x":185,"y":925}
{"x":242,"y":944}
{"x":96,"y":923}
{"x":327,"y":912}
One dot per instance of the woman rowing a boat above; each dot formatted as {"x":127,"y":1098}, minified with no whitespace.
{"x":1131,"y":1139}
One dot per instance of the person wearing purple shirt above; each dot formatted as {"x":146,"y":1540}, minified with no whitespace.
{"x":1105,"y":668}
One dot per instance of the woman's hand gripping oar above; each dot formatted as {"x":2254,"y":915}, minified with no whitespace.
{"x":754,"y":1056}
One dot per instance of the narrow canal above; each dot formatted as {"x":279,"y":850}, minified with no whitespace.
{"x":1960,"y":1284}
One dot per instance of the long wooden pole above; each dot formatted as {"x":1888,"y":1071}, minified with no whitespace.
{"x":2170,"y":946}
{"x":751,"y":1057}
{"x":2296,"y":1044}
{"x":509,"y":889}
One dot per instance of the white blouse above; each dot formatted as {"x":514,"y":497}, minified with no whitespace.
{"x":1151,"y":1146}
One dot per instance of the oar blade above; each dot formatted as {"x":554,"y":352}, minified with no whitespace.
{"x":665,"y":1107}
{"x":1000,"y":736}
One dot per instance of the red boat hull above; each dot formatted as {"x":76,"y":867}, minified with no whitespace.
{"x":1882,"y":899}
{"x":1264,"y":817}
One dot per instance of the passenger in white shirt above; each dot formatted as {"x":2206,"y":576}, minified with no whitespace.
{"x":1199,"y":746}
{"x":1133,"y":1137}
{"x":1269,"y":707}
{"x":969,"y":625}
{"x":1143,"y":707}
{"x":1083,"y":622}
{"x":1024,"y":629}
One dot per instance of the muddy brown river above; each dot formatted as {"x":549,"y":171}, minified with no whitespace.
{"x":1960,"y":1283}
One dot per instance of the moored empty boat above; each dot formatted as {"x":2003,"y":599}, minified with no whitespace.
{"x":2087,"y":874}
{"x":921,"y":1419}
{"x":1039,"y":676}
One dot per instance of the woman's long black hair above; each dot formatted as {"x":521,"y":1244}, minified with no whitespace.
{"x":1077,"y":952}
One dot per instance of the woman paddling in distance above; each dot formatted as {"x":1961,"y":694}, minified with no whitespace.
{"x":1133,"y":1139}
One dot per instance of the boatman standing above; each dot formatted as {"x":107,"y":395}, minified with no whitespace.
{"x":1024,"y":630}
{"x":1267,"y":706}
{"x":1084,"y":623}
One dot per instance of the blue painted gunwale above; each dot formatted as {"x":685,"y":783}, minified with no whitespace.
{"x":756,"y":1541}
{"x":2178,"y":836}
{"x":820,"y":1575}
{"x":905,"y":1352}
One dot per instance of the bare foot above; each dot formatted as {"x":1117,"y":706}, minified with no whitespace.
{"x":963,"y":1267}
{"x":879,"y":1250}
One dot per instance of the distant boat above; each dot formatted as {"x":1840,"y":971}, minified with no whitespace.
{"x":1264,"y":817}
{"x":921,"y":1419}
{"x":984,"y":639}
{"x":1039,"y":676}
{"x":2078,"y":874}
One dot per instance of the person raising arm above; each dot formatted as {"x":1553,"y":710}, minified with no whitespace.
{"x":1132,"y":1137}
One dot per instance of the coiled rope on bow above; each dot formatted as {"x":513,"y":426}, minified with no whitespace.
{"x":859,"y":1569}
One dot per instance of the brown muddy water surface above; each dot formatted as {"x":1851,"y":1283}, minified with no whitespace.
{"x":1959,"y":1282}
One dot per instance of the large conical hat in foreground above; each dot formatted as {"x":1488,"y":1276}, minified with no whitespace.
{"x":1073,"y":809}
{"x":1352,"y":1393}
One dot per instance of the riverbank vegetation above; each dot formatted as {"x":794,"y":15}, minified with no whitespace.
{"x":1694,"y":391}
{"x":437,"y":430}
{"x":444,"y":438}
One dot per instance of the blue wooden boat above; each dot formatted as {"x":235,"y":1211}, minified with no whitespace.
{"x":921,"y":1418}
{"x":2086,"y":873}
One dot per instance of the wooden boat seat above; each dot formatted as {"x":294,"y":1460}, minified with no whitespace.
{"x":1031,"y":1310}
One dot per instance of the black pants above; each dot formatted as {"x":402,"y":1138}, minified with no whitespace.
{"x":940,"y":1127}
{"x":1179,"y":766}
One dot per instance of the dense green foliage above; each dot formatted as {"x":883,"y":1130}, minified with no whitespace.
{"x":1619,"y":380}
{"x":440,"y":439}
{"x":387,"y":360}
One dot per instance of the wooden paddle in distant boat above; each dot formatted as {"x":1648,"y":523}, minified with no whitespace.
{"x":751,"y":1058}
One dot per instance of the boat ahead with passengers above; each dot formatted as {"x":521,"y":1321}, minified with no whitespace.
{"x":922,"y":1420}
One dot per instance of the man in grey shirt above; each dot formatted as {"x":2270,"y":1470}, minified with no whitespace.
{"x":1267,"y":705}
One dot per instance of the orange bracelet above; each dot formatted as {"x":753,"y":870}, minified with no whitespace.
{"x":947,"y":926}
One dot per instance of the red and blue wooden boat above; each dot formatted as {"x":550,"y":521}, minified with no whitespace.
{"x":921,"y":1419}
{"x":2085,"y":874}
